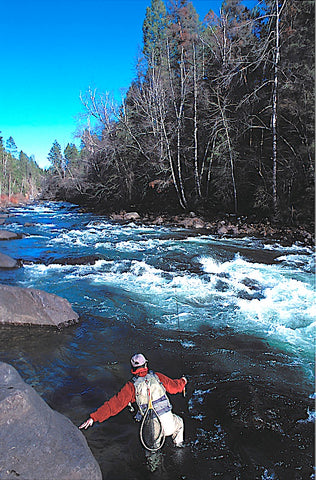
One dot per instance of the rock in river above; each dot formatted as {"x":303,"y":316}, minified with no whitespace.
{"x":30,"y":306}
{"x":36,"y":442}
{"x":84,"y":260}
{"x":8,"y":235}
{"x":7,"y":262}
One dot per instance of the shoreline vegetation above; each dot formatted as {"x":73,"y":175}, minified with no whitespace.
{"x":216,"y":131}
{"x":218,"y":119}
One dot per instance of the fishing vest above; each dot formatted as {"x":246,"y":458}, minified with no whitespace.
{"x":158,"y":395}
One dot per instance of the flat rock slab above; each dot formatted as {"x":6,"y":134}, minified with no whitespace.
{"x":29,"y":306}
{"x":36,"y":442}
{"x":7,"y":262}
{"x":8,"y":235}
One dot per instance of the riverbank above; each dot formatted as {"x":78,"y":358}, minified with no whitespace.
{"x":7,"y":201}
{"x":224,"y":225}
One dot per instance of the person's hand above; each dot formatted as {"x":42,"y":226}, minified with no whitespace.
{"x":185,"y":382}
{"x":88,"y":423}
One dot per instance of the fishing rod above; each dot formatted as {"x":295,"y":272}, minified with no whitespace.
{"x":177,"y":310}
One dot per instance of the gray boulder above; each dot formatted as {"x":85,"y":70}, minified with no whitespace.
{"x":7,"y":262}
{"x":131,"y":216}
{"x":222,"y":230}
{"x":3,"y":218}
{"x":36,"y":442}
{"x":8,"y":235}
{"x":30,"y":306}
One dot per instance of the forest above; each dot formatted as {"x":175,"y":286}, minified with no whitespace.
{"x":20,"y":177}
{"x":219,"y":118}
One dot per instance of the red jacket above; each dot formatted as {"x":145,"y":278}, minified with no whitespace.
{"x":127,"y":394}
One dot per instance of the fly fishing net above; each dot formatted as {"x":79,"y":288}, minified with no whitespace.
{"x":151,"y":432}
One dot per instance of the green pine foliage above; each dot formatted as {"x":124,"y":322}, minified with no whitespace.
{"x":154,"y":30}
{"x":20,"y":176}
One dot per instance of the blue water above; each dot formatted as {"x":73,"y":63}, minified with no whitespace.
{"x":244,"y":307}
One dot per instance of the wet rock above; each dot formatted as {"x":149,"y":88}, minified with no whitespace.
{"x":131,"y":216}
{"x":36,"y":442}
{"x":3,"y":218}
{"x":198,"y":223}
{"x":8,"y":235}
{"x":117,"y":217}
{"x":251,"y":283}
{"x":250,"y":296}
{"x":233,"y":230}
{"x":84,"y":260}
{"x":222,"y":230}
{"x":125,"y":216}
{"x":158,"y":221}
{"x":190,"y":222}
{"x":7,"y":262}
{"x":34,"y":307}
{"x":221,"y":286}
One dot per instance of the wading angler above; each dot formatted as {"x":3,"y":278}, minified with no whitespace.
{"x":148,"y":390}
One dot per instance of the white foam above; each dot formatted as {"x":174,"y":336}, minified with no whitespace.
{"x":212,"y":288}
{"x":311,"y":417}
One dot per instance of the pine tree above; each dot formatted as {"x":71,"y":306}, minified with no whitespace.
{"x":154,"y":31}
{"x":11,"y":147}
{"x":56,"y":159}
{"x":71,"y":155}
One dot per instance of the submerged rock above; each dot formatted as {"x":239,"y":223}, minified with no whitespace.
{"x":36,"y":442}
{"x":30,"y":306}
{"x":84,"y":260}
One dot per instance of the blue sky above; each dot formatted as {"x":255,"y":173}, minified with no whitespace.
{"x":51,"y":50}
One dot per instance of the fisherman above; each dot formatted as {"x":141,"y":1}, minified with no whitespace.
{"x":134,"y":391}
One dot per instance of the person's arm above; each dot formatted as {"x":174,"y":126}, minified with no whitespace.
{"x":113,"y":406}
{"x":172,"y":385}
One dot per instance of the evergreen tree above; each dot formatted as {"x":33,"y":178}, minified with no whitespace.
{"x":11,"y":147}
{"x":56,"y":159}
{"x":154,"y":31}
{"x":71,"y":155}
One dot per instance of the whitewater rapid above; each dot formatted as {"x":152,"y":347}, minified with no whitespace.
{"x":173,"y":279}
{"x":235,"y":316}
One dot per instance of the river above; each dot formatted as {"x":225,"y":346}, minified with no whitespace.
{"x":235,"y":316}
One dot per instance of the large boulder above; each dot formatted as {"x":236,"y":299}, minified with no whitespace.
{"x":8,"y":235}
{"x":36,"y":442}
{"x":30,"y":306}
{"x":131,"y":216}
{"x":7,"y":262}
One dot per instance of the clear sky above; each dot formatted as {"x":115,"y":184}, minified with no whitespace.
{"x":51,"y":50}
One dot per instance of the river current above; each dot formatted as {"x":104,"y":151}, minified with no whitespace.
{"x":235,"y":316}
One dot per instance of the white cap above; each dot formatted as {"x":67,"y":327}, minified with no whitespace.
{"x":138,"y":360}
